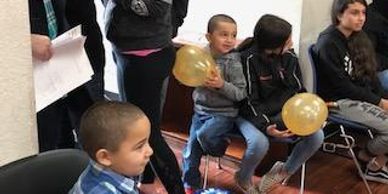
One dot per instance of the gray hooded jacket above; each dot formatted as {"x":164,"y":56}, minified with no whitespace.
{"x":223,"y":101}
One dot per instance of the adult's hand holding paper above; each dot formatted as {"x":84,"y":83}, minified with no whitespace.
{"x":66,"y":70}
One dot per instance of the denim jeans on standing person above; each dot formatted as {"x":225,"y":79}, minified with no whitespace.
{"x":207,"y":136}
{"x":257,"y":147}
{"x":383,"y":77}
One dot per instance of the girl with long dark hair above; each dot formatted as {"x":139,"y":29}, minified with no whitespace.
{"x":273,"y":76}
{"x":346,"y":74}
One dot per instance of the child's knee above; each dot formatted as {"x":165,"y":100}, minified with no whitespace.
{"x":258,"y":146}
{"x":317,"y":138}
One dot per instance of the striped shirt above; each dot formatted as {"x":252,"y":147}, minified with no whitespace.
{"x":96,"y":179}
{"x":51,"y":19}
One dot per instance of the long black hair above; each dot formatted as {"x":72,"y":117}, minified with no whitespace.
{"x":339,"y":7}
{"x":270,"y":32}
{"x":363,"y":57}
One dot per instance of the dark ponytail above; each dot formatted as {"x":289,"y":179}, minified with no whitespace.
{"x":363,"y":56}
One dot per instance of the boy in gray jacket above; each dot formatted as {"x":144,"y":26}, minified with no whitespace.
{"x":216,"y":102}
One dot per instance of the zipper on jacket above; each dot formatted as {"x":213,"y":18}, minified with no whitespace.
{"x":297,"y":79}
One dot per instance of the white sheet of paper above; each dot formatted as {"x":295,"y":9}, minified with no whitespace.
{"x":66,"y":70}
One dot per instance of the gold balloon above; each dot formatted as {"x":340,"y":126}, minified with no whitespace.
{"x":192,"y":65}
{"x":304,"y":114}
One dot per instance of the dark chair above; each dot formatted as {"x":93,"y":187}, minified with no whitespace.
{"x":344,"y":125}
{"x":51,"y":172}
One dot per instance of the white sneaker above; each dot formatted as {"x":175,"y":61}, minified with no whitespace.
{"x":272,"y":177}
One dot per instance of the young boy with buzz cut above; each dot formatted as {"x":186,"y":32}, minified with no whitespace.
{"x":216,"y":102}
{"x":115,"y":136}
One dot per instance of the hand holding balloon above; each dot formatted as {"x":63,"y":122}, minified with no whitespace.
{"x":304,"y":114}
{"x":214,"y":79}
{"x":193,"y":65}
{"x":274,"y":132}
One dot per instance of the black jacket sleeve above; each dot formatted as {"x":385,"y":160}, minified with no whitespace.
{"x":179,"y":8}
{"x":38,"y":23}
{"x":330,"y":61}
{"x":146,"y":8}
{"x":381,"y":58}
{"x":84,"y":12}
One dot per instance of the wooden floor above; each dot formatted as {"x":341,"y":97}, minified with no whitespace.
{"x":326,"y":173}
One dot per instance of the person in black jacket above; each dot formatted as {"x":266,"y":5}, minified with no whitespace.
{"x":376,"y":27}
{"x":84,"y":13}
{"x":273,"y":76}
{"x":57,"y":121}
{"x":345,"y":64}
{"x":140,"y":33}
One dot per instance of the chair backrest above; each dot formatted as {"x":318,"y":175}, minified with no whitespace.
{"x":51,"y":172}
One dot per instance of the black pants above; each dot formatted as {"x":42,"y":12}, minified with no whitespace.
{"x":140,"y":81}
{"x":57,"y":121}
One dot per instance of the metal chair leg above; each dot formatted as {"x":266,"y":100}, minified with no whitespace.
{"x":205,"y":179}
{"x":302,"y":178}
{"x":350,"y":142}
{"x":219,"y":163}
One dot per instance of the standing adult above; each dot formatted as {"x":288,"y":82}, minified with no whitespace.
{"x":140,"y":33}
{"x":57,"y":121}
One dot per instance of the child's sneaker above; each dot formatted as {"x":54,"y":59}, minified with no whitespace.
{"x":245,"y":187}
{"x":189,"y":190}
{"x":272,"y":177}
{"x":380,"y":175}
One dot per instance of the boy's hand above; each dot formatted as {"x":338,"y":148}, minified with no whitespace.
{"x":214,"y":80}
{"x":274,"y":132}
{"x":384,"y":104}
{"x":41,"y":47}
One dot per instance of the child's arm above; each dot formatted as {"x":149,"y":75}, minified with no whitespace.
{"x":234,"y":84}
{"x":146,"y":8}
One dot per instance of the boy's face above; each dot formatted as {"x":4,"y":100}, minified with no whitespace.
{"x":134,"y":152}
{"x":223,"y":38}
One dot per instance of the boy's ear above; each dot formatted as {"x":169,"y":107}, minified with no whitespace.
{"x":208,"y":37}
{"x":103,"y":157}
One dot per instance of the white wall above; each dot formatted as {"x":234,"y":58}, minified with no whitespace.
{"x":17,"y":116}
{"x":315,"y":18}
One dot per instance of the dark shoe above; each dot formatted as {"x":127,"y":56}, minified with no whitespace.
{"x":189,"y":191}
{"x":380,"y":175}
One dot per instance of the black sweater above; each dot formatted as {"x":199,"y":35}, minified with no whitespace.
{"x":334,"y":66}
{"x":376,"y":27}
{"x":138,"y":24}
{"x":269,"y":86}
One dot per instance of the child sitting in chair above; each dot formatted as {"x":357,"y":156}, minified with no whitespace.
{"x":216,"y":102}
{"x":115,"y":136}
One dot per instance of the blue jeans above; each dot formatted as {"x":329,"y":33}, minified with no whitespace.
{"x":207,"y":135}
{"x":303,"y":150}
{"x":257,"y":147}
{"x":383,"y":77}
